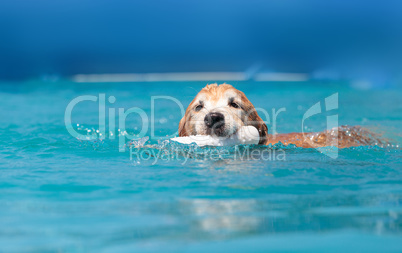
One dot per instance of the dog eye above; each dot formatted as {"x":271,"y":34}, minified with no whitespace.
{"x":234,"y":105}
{"x":198,"y":108}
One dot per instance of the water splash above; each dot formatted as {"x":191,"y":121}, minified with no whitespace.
{"x":168,"y":149}
{"x":138,"y":143}
{"x":347,"y":136}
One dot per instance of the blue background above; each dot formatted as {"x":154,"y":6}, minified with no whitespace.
{"x":63,"y":38}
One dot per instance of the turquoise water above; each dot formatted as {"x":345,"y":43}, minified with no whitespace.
{"x":60,"y":194}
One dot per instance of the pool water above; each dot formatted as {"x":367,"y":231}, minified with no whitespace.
{"x":61,"y":194}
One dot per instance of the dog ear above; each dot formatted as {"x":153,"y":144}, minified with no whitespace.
{"x":182,"y":126}
{"x":254,"y":119}
{"x":258,"y":123}
{"x":263,"y":130}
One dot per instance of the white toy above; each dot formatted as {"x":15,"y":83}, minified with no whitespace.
{"x":245,"y":135}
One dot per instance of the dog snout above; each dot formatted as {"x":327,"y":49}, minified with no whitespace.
{"x":214,"y":119}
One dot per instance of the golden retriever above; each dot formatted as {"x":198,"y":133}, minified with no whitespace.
{"x":220,"y":110}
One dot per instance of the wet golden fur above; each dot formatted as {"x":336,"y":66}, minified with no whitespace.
{"x":215,"y":96}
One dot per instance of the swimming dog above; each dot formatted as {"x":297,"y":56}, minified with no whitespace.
{"x":221,"y":110}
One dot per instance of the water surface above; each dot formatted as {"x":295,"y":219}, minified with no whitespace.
{"x":60,"y":194}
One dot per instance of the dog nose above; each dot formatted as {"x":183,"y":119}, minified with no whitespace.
{"x":214,"y":119}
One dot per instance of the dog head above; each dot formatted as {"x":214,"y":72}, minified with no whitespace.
{"x":220,"y":110}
